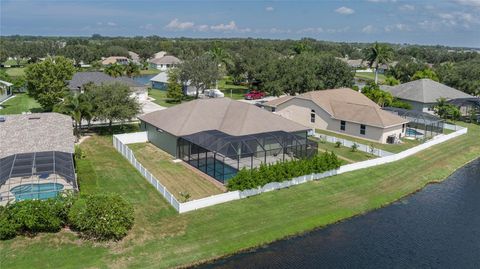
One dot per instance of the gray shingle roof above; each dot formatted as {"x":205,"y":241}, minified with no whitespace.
{"x":82,"y":78}
{"x":425,"y":91}
{"x":36,"y":132}
{"x":223,"y":114}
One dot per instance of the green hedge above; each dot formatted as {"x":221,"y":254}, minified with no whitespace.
{"x":282,"y":171}
{"x":97,"y":216}
{"x":102,"y":217}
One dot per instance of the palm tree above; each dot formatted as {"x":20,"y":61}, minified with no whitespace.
{"x":132,"y":69}
{"x":377,"y":55}
{"x":114,"y":70}
{"x":77,"y":107}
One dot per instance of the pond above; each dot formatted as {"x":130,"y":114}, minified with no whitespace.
{"x":144,"y":79}
{"x":438,"y":227}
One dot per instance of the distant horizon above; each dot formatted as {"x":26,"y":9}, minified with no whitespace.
{"x":452,"y":23}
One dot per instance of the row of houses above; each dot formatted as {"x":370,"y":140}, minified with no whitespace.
{"x":161,"y":60}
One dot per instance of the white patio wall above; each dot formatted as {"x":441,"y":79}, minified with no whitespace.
{"x":120,"y":142}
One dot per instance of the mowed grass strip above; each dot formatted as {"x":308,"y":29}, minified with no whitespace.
{"x":175,"y":176}
{"x":344,"y":153}
{"x":162,"y":239}
{"x":22,"y":102}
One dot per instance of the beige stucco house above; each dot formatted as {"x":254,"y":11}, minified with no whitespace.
{"x":342,"y":111}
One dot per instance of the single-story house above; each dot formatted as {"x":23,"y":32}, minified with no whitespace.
{"x":134,"y":56}
{"x":5,"y":90}
{"x":36,"y":156}
{"x":160,"y":82}
{"x":220,"y":136}
{"x":164,"y":63}
{"x":423,"y":94}
{"x":115,"y":60}
{"x":342,"y":111}
{"x":79,"y":79}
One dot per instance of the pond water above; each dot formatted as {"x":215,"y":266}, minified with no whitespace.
{"x":143,"y":79}
{"x":438,"y":227}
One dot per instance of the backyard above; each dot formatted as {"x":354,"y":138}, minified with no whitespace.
{"x":394,"y":148}
{"x":231,"y":90}
{"x":177,"y":177}
{"x":369,"y":76}
{"x":22,"y":102}
{"x":345,"y":154}
{"x":161,"y":238}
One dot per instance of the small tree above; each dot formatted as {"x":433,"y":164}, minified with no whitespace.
{"x":174,"y":88}
{"x":338,"y":144}
{"x":354,"y":147}
{"x":47,"y":81}
{"x":76,"y":106}
{"x":114,"y":70}
{"x":113,"y":103}
{"x":426,"y":73}
{"x":132,"y":69}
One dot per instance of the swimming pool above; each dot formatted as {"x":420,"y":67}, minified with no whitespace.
{"x":36,"y":191}
{"x":412,"y":132}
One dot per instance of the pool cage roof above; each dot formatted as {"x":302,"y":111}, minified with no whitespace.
{"x":245,"y":145}
{"x":415,"y":116}
{"x":38,"y":163}
{"x":474,"y":102}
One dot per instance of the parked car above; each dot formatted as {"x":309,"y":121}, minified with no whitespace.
{"x":253,"y":95}
{"x":213,"y":93}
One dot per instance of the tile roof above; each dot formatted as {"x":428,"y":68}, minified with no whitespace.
{"x":168,"y":59}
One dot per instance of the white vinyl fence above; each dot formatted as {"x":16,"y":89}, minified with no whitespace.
{"x":349,"y":144}
{"x":120,"y":142}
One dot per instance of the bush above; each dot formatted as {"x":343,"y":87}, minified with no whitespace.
{"x":102,"y":217}
{"x":8,"y":229}
{"x":338,"y":144}
{"x":354,"y":147}
{"x":249,"y":179}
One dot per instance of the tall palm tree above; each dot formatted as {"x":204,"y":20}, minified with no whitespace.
{"x":114,"y":70}
{"x":377,"y":55}
{"x":132,"y":69}
{"x":77,"y":107}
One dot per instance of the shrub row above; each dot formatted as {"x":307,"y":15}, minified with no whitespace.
{"x":282,"y":171}
{"x":100,"y":217}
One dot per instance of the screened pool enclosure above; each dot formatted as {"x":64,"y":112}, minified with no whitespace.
{"x":221,"y":155}
{"x":421,"y":125}
{"x":38,"y":175}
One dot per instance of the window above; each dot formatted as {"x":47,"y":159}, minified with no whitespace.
{"x":273,"y":109}
{"x":342,"y":125}
{"x":362,"y":129}
{"x":403,"y":128}
{"x":312,"y":116}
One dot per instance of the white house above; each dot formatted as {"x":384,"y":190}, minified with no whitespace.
{"x":5,"y":90}
{"x":164,"y":63}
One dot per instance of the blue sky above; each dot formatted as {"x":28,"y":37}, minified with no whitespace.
{"x":445,"y":22}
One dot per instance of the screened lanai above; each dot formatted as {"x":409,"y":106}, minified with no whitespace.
{"x":221,"y":155}
{"x":36,"y":175}
{"x":421,"y":125}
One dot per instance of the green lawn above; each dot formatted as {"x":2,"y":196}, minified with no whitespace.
{"x":370,"y":76}
{"x":176,"y":177}
{"x":395,"y":148}
{"x":15,"y":71}
{"x":160,"y":97}
{"x":344,"y":153}
{"x":161,"y":238}
{"x":231,"y":90}
{"x":22,"y":102}
{"x":149,"y":71}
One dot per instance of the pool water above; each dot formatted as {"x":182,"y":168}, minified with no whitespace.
{"x":412,"y":132}
{"x":215,"y":168}
{"x":36,"y":191}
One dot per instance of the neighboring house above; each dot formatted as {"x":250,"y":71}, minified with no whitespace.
{"x":220,"y":136}
{"x":5,"y":90}
{"x":159,"y":54}
{"x":354,"y":63}
{"x":36,"y":149}
{"x":164,"y":63}
{"x":423,"y":94}
{"x":115,"y":60}
{"x":134,"y":56}
{"x":342,"y":111}
{"x":79,"y":79}
{"x":160,"y":82}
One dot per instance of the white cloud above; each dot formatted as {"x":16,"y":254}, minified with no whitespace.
{"x":111,"y":23}
{"x":458,"y":19}
{"x":203,"y":28}
{"x":269,"y":9}
{"x":369,"y":29}
{"x":344,"y":10}
{"x":176,"y":24}
{"x":397,"y":27}
{"x":407,"y":7}
{"x":224,"y":27}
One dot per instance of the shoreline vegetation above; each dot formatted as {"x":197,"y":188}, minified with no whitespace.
{"x":162,"y":238}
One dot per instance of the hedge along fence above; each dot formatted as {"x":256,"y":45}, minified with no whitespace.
{"x":236,"y":195}
{"x":282,"y":171}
